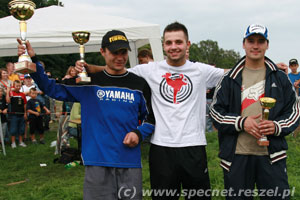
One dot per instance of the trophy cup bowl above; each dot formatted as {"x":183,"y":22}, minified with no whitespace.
{"x":82,"y":37}
{"x":266,"y":103}
{"x":23,"y":10}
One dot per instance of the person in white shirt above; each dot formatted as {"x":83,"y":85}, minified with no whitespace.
{"x":28,"y":84}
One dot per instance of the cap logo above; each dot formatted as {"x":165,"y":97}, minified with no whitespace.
{"x":116,"y":38}
{"x":257,"y":28}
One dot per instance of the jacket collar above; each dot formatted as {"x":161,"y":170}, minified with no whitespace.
{"x":236,"y":70}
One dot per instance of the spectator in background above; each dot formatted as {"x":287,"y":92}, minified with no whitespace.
{"x":75,"y":115}
{"x":4,"y":81}
{"x":34,"y":109}
{"x":72,"y":127}
{"x":3,"y":111}
{"x":69,"y":79}
{"x":28,"y":84}
{"x":294,"y":75}
{"x":17,"y":101}
{"x":145,"y":56}
{"x":11,"y":72}
{"x":71,"y":73}
{"x":49,"y":74}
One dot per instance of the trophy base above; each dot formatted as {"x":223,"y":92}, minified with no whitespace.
{"x":263,"y":142}
{"x":25,"y":67}
{"x":83,"y":80}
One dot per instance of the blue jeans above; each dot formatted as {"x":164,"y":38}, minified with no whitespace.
{"x":17,"y":125}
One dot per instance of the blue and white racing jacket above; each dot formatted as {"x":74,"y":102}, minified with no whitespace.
{"x":111,"y":106}
{"x":226,"y":111}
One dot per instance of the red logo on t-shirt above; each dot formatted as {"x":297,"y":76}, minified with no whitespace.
{"x":252,"y":94}
{"x":175,"y":88}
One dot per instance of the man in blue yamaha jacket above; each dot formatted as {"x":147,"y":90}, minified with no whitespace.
{"x":237,"y":115}
{"x":111,"y":106}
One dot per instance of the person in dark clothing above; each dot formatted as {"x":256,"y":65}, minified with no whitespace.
{"x":34,"y":109}
{"x":237,"y":115}
{"x":3,"y":111}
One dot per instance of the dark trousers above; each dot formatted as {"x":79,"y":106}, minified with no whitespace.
{"x":247,"y":170}
{"x":36,"y":125}
{"x":173,"y":168}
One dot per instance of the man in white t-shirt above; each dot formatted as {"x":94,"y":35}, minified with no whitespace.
{"x":177,"y":153}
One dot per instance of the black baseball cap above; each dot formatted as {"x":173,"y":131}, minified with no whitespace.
{"x":293,"y":62}
{"x":115,"y":40}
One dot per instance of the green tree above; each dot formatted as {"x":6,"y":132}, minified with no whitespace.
{"x":39,"y":4}
{"x":4,"y":8}
{"x":208,"y":51}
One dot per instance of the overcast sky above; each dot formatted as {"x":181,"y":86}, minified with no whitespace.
{"x":223,"y":21}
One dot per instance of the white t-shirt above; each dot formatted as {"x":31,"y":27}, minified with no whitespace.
{"x":26,"y":89}
{"x":179,"y":100}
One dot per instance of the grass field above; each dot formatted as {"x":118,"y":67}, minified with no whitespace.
{"x":54,"y":182}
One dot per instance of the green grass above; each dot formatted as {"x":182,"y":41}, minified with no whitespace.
{"x":54,"y":182}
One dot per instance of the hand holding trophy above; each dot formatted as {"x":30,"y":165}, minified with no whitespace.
{"x":266,"y":103}
{"x":82,"y":37}
{"x":23,"y":10}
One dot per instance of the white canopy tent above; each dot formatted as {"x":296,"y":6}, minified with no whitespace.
{"x":49,"y":31}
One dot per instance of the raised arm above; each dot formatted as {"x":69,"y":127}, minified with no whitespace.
{"x":89,"y":67}
{"x":49,"y":86}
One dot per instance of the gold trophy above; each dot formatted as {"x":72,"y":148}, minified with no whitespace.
{"x":266,"y":103}
{"x":23,"y":10}
{"x":82,"y":37}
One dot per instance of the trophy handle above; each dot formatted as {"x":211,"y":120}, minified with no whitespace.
{"x":23,"y":30}
{"x":81,"y":51}
{"x":263,"y":141}
{"x":23,"y":34}
{"x":266,"y":113}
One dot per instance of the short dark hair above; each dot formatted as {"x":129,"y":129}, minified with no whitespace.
{"x":176,"y":26}
{"x":145,"y":53}
{"x":17,"y":81}
{"x":32,"y":89}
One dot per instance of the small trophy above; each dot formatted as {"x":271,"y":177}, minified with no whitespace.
{"x":23,"y":10}
{"x":266,"y":103}
{"x":82,"y":37}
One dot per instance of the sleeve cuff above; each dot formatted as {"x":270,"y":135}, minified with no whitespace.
{"x":34,"y":59}
{"x":277,"y":129}
{"x":139,"y":134}
{"x":239,"y":123}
